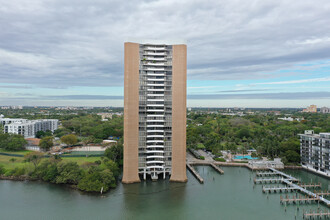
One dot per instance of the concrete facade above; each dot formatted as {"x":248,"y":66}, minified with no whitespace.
{"x":131,"y":113}
{"x":155,"y":111}
{"x":315,"y":152}
{"x":28,"y":128}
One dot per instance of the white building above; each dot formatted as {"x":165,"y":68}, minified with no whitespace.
{"x":325,"y":110}
{"x":315,"y":152}
{"x":291,"y":119}
{"x":262,"y":164}
{"x":28,"y":128}
{"x":5,"y":121}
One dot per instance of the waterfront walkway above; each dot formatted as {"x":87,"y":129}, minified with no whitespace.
{"x":191,"y":162}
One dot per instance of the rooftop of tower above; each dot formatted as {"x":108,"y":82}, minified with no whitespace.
{"x":158,"y":42}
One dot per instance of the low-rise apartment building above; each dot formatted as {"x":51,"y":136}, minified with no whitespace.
{"x":314,"y":151}
{"x":28,"y":128}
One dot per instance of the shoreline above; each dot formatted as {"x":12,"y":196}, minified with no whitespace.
{"x":28,"y":179}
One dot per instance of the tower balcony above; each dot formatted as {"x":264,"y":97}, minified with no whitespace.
{"x":151,"y":120}
{"x":155,"y":94}
{"x":155,"y":110}
{"x":155,"y":126}
{"x":156,"y":90}
{"x":155,"y":146}
{"x":154,"y":156}
{"x":154,"y":48}
{"x":154,"y":68}
{"x":155,"y":84}
{"x":155,"y":131}
{"x":154,"y":151}
{"x":149,"y":79}
{"x":155,"y":161}
{"x":155,"y":105}
{"x":154,"y":64}
{"x":156,"y":116}
{"x":156,"y":167}
{"x":155,"y":74}
{"x":154,"y":53}
{"x":152,"y":136}
{"x":155,"y":141}
{"x":156,"y":58}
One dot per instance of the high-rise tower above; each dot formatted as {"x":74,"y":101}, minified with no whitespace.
{"x":155,"y":111}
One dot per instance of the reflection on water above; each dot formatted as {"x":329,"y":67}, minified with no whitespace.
{"x":229,"y":196}
{"x":153,"y":199}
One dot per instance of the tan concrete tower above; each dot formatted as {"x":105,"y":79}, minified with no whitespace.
{"x":155,"y":111}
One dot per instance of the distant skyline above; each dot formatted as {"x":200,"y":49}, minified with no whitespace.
{"x":259,"y":54}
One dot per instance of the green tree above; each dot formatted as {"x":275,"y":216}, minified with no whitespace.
{"x":46,"y":142}
{"x":47,"y":171}
{"x":69,"y":139}
{"x":96,"y":180}
{"x":292,"y":156}
{"x":34,"y":158}
{"x":12,"y":142}
{"x":69,"y":173}
{"x":40,"y":134}
{"x":115,"y":153}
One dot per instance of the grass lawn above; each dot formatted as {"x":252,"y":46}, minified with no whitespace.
{"x":81,"y":160}
{"x":5,"y":161}
{"x":19,"y":161}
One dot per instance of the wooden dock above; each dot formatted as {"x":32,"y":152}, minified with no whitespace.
{"x":217,"y":168}
{"x":292,"y":179}
{"x":311,"y":185}
{"x":322,"y":193}
{"x":262,"y":174}
{"x":268,"y":180}
{"x":194,"y":172}
{"x":278,"y":189}
{"x":292,"y":184}
{"x":319,"y":214}
{"x":300,"y":199}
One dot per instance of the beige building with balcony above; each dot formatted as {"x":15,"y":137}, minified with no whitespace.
{"x":155,"y":111}
{"x":311,"y":109}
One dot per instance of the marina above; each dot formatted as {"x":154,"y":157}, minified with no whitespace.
{"x":289,"y":181}
{"x":164,"y":199}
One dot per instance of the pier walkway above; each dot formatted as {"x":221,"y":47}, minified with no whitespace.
{"x":278,"y":189}
{"x":290,"y":182}
{"x":284,"y":175}
{"x":217,"y":168}
{"x":307,"y":192}
{"x":195,"y":173}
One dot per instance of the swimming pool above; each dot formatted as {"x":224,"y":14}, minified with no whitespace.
{"x":248,"y":157}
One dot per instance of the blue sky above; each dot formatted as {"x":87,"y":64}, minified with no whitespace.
{"x":240,"y":53}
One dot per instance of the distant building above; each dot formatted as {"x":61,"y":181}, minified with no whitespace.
{"x":314,"y":151}
{"x":263,"y":164}
{"x":325,"y":110}
{"x":28,"y":128}
{"x":109,"y":142}
{"x":290,"y":119}
{"x":5,"y":121}
{"x":12,"y":107}
{"x":33,"y":144}
{"x":311,"y":109}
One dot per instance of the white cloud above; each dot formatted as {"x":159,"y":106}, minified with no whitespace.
{"x":324,"y":79}
{"x":60,"y":43}
{"x":312,"y":41}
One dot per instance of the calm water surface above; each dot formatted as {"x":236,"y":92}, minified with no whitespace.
{"x":228,"y":196}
